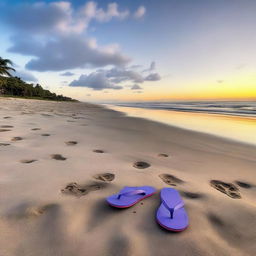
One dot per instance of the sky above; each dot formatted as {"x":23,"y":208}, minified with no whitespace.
{"x":134,"y":50}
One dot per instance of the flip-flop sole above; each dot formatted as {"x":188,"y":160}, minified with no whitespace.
{"x":127,"y":206}
{"x":170,"y":229}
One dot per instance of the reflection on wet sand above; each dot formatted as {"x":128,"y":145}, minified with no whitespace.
{"x":231,"y":127}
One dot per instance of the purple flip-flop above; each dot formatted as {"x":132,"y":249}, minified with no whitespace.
{"x":129,"y":196}
{"x":171,"y":214}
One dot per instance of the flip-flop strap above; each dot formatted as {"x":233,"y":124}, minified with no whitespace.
{"x":132,"y":193}
{"x":175,"y":208}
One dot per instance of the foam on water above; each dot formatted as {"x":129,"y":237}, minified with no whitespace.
{"x":237,"y":108}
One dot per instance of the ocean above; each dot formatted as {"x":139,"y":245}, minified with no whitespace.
{"x":234,"y":108}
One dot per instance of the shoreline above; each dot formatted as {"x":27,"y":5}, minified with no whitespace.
{"x":242,"y":128}
{"x":190,"y":112}
{"x":195,"y":107}
{"x":79,"y":142}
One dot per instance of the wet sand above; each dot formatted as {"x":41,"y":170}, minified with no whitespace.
{"x":59,"y":161}
{"x":238,"y":128}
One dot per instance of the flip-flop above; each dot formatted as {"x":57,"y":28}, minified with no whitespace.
{"x":171,"y":214}
{"x":129,"y":196}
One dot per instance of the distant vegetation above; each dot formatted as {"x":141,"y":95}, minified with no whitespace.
{"x":14,"y":86}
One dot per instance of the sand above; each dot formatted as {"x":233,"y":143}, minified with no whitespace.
{"x":59,"y":160}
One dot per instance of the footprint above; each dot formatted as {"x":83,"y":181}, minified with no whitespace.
{"x":4,"y":144}
{"x":27,"y":113}
{"x":78,"y":117}
{"x":45,"y":114}
{"x":35,"y":129}
{"x":227,"y":188}
{"x":98,"y":151}
{"x":26,"y":210}
{"x":170,"y":179}
{"x":163,"y":155}
{"x":191,"y":195}
{"x":17,"y":138}
{"x":106,"y":177}
{"x":28,"y":161}
{"x":5,"y":130}
{"x":243,"y":184}
{"x":58,"y":157}
{"x":141,"y":165}
{"x":70,"y":143}
{"x":77,"y":190}
{"x":6,"y":126}
{"x":45,"y":134}
{"x":39,"y":210}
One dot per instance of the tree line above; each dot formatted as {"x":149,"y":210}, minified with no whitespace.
{"x":14,"y":86}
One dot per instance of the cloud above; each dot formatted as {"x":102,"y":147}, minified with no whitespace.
{"x":119,"y":75}
{"x":135,"y":66}
{"x":151,"y":68}
{"x":68,"y":73}
{"x":220,"y":81}
{"x":123,"y":74}
{"x":136,"y":87}
{"x":140,"y":12}
{"x":39,"y":17}
{"x":153,"y":77}
{"x":91,"y":11}
{"x":54,"y":34}
{"x":60,"y":17}
{"x":96,"y":81}
{"x":66,"y":52}
{"x":114,"y":78}
{"x":25,"y":76}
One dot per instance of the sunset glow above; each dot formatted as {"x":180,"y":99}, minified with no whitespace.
{"x":97,"y":52}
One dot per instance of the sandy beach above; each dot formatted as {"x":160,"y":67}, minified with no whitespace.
{"x":60,"y":160}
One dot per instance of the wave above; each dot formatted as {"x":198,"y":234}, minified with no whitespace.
{"x":235,"y":108}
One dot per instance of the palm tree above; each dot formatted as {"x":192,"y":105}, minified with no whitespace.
{"x":4,"y":67}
